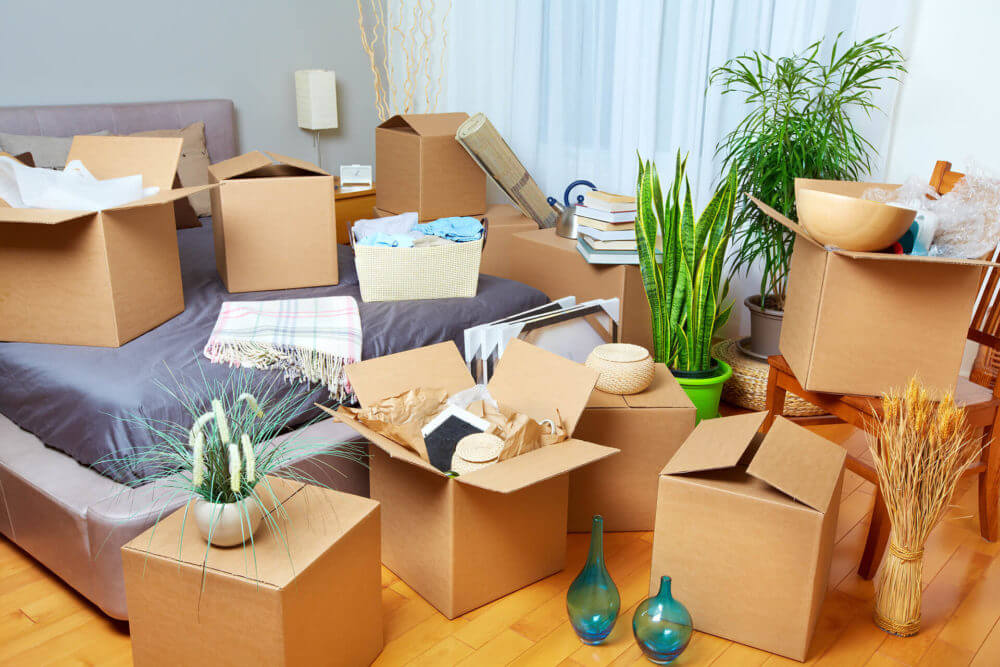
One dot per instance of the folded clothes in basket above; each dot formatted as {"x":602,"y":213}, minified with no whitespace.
{"x":403,"y":231}
{"x":457,"y":229}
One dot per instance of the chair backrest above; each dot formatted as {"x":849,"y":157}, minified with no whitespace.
{"x":985,"y":326}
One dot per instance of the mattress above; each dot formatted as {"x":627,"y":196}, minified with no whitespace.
{"x":81,"y":400}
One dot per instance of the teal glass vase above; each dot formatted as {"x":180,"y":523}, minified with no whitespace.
{"x":592,"y":601}
{"x":662,"y":626}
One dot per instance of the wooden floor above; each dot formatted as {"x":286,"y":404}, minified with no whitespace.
{"x":44,"y":622}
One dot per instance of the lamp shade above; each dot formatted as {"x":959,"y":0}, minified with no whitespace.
{"x":316,"y":99}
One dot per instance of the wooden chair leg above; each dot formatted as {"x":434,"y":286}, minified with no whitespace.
{"x":878,"y":537}
{"x":775,"y":399}
{"x":989,"y":483}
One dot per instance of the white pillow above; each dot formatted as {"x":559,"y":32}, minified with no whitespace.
{"x":48,"y":152}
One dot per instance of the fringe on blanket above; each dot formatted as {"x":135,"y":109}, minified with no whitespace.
{"x":295,"y":362}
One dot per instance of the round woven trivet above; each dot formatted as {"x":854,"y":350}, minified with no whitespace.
{"x":747,"y":387}
{"x":623,"y":368}
{"x":476,"y":451}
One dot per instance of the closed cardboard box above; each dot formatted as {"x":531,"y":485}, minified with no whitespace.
{"x":551,"y":264}
{"x":461,"y":542}
{"x":866,"y":322}
{"x":274,"y":223}
{"x":505,"y":221}
{"x":307,"y":594}
{"x":96,"y":277}
{"x":419,"y":166}
{"x":745,"y":526}
{"x":647,"y":428}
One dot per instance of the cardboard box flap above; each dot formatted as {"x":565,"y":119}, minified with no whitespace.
{"x":164,"y":196}
{"x":393,"y":449}
{"x":879,"y":256}
{"x":536,"y":466}
{"x":541,"y":384}
{"x":432,"y":367}
{"x":664,"y":392}
{"x":40,"y":216}
{"x":799,"y":463}
{"x":716,"y":444}
{"x":106,"y":157}
{"x":428,"y":124}
{"x":297,"y":163}
{"x":241,"y":164}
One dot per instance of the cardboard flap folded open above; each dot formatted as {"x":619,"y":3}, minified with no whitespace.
{"x":541,"y":384}
{"x":437,"y":366}
{"x":107,"y":157}
{"x":164,"y":196}
{"x":40,"y":216}
{"x":241,"y":164}
{"x":536,"y":466}
{"x":428,"y":125}
{"x":393,"y":449}
{"x":715,"y":444}
{"x":784,"y":220}
{"x":299,"y":164}
{"x":799,"y":463}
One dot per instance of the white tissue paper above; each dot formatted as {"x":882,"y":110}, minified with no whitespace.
{"x":73,"y":189}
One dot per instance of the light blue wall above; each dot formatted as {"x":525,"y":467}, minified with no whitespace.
{"x":94,"y":51}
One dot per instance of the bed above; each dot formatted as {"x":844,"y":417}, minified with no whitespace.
{"x":62,"y":407}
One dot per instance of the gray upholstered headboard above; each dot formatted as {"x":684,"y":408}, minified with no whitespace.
{"x":65,"y":121}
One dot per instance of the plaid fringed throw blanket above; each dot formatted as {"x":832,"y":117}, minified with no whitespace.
{"x":308,"y":339}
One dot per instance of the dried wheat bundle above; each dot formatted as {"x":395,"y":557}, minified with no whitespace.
{"x":920,"y":447}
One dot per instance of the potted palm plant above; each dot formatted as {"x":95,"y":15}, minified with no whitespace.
{"x":800,"y":123}
{"x":684,"y":288}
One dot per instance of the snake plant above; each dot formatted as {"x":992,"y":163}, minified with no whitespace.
{"x":685,"y":288}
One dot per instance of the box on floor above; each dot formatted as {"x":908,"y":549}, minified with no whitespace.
{"x":461,"y":542}
{"x":749,"y":546}
{"x":552,"y":264}
{"x":647,"y":428}
{"x":274,"y":223}
{"x":309,"y":595}
{"x":96,"y":277}
{"x":865,"y":322}
{"x":419,"y":166}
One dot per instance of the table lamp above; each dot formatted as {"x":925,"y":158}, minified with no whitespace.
{"x":316,"y":102}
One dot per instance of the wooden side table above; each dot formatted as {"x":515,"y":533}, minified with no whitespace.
{"x":307,"y":595}
{"x":354,"y":202}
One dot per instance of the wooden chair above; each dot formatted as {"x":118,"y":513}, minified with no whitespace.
{"x":982,"y":406}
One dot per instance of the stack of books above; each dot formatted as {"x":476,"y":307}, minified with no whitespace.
{"x":606,"y":228}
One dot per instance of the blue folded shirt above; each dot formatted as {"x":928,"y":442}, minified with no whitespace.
{"x":458,"y":229}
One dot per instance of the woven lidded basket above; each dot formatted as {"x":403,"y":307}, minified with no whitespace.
{"x":624,"y":368}
{"x":432,"y":272}
{"x":747,"y":387}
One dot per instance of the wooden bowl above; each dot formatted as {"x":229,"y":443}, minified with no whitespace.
{"x":849,"y":222}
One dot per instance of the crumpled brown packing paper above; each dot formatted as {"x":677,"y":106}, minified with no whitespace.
{"x":401,"y":417}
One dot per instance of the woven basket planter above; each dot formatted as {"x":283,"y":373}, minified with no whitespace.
{"x":747,"y":387}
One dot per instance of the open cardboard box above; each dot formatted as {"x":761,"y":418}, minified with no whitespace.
{"x":420,"y":166}
{"x":96,"y":277}
{"x":461,"y":542}
{"x":308,"y":594}
{"x":865,"y":322}
{"x":745,"y":527}
{"x":274,"y":223}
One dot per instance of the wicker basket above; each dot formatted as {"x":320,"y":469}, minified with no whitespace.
{"x":623,"y":368}
{"x":432,"y":272}
{"x":747,"y":387}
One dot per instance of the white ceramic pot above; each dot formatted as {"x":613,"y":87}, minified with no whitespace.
{"x":229,"y":524}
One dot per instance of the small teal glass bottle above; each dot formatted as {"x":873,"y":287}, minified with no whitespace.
{"x":662,"y":626}
{"x":592,"y":601}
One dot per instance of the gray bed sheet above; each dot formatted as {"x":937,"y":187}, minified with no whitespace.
{"x":74,"y":398}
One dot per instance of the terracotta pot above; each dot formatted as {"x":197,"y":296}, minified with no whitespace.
{"x":765,"y":329}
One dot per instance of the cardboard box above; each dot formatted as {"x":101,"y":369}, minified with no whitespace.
{"x":419,"y":166}
{"x":461,"y":542}
{"x":551,"y":263}
{"x":749,"y":545}
{"x":505,"y":221}
{"x":315,"y":600}
{"x":95,"y":277}
{"x":647,"y":428}
{"x":865,"y":322}
{"x":274,"y":223}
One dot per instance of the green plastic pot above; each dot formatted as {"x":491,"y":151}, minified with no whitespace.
{"x":705,"y":388}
